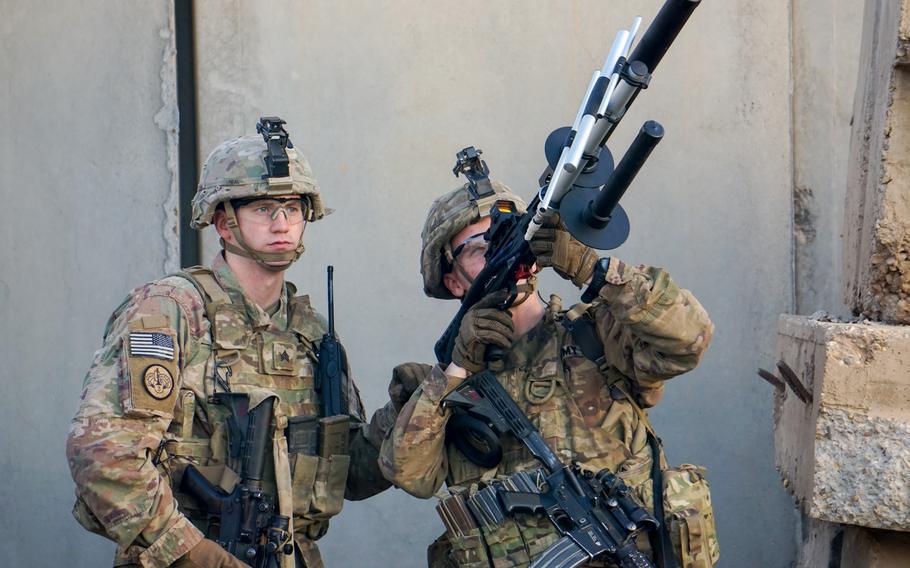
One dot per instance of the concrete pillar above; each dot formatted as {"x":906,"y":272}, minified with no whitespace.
{"x":877,"y":222}
{"x":826,"y":39}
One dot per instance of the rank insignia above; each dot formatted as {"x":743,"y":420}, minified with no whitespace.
{"x":284,"y":356}
{"x":158,"y":382}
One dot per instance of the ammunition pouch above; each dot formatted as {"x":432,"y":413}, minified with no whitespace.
{"x":689,"y":515}
{"x":479,"y":533}
{"x":318,"y":449}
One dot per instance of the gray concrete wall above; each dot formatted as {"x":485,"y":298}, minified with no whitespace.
{"x":380,"y":96}
{"x":824,"y":65}
{"x":85,"y":182}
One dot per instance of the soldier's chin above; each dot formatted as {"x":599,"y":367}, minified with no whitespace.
{"x":281,"y":264}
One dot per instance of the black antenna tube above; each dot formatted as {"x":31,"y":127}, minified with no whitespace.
{"x":601,"y":207}
{"x":662,"y":31}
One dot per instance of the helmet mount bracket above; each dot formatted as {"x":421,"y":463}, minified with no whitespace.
{"x":277,"y":142}
{"x":475,"y":170}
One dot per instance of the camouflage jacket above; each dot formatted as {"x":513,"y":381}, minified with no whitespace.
{"x":125,"y":476}
{"x":651,"y":331}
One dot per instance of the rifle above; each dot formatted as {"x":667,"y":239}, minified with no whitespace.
{"x":594,"y":512}
{"x":580,"y":181}
{"x":332,"y":362}
{"x":244,"y":522}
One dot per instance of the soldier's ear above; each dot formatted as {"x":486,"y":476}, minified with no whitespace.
{"x":453,"y":284}
{"x":221,"y":225}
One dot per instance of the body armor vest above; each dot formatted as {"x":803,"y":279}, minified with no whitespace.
{"x":259,"y":360}
{"x":582,"y":409}
{"x":572,"y":402}
{"x":569,"y":399}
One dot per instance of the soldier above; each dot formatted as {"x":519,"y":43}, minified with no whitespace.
{"x":153,"y":400}
{"x":589,"y":412}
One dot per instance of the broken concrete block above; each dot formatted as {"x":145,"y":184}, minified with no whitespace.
{"x":877,"y":211}
{"x":845,"y":454}
{"x":875,"y":549}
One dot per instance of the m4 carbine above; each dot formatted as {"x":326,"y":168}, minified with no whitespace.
{"x":594,"y":512}
{"x":244,"y":522}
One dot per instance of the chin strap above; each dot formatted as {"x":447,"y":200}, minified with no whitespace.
{"x":263,"y":259}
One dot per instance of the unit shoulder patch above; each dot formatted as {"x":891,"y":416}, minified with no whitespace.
{"x":151,"y":360}
{"x":158,"y":382}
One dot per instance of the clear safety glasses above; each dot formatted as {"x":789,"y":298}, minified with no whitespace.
{"x":473,"y":247}
{"x":265,"y":211}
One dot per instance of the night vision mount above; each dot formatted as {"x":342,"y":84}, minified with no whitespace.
{"x":277,"y":140}
{"x":475,"y":170}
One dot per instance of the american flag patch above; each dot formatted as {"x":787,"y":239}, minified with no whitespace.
{"x":151,"y":344}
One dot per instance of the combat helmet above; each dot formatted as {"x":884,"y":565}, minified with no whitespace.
{"x":251,"y":168}
{"x":451,"y":213}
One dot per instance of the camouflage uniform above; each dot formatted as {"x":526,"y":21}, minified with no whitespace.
{"x":147,"y":412}
{"x":651,"y":331}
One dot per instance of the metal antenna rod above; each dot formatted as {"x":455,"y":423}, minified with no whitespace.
{"x":329,"y":274}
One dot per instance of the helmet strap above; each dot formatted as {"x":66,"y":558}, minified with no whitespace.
{"x":263,"y":259}
{"x":525,"y":290}
{"x":458,"y":268}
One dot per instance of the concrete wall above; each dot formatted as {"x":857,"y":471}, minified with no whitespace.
{"x":87,"y":213}
{"x":824,"y":63}
{"x":380,"y":96}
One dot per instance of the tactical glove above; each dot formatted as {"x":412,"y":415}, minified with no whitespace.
{"x":481,"y":327}
{"x":554,"y":246}
{"x":208,"y":554}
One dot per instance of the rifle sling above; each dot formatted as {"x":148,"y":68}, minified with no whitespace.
{"x":585,"y":337}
